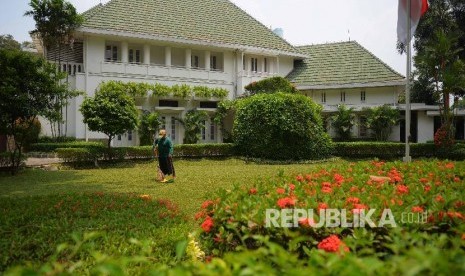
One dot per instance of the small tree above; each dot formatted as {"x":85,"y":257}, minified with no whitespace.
{"x":193,"y":123}
{"x":343,"y":121}
{"x":28,"y":85}
{"x":9,"y":43}
{"x":381,"y":120}
{"x":148,"y":127}
{"x":110,"y":111}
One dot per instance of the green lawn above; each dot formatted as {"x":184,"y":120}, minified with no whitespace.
{"x":196,"y":180}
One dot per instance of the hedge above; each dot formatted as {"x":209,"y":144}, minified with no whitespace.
{"x":390,"y":150}
{"x":52,"y":147}
{"x":93,"y":153}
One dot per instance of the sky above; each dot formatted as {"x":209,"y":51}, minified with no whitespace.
{"x":373,"y":24}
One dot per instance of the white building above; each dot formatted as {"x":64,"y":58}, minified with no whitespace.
{"x":213,"y":43}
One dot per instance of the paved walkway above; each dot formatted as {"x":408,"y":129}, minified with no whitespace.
{"x":37,"y":162}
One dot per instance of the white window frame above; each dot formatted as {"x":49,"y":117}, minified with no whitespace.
{"x":363,"y":96}
{"x":195,"y":61}
{"x":323,"y":97}
{"x":111,"y":54}
{"x":213,"y":63}
{"x":343,"y":96}
{"x":254,"y":65}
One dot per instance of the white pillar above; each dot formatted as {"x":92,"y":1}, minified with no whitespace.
{"x":124,"y":52}
{"x":188,"y":62}
{"x":147,"y":54}
{"x":168,"y":56}
{"x":263,"y":65}
{"x":207,"y":60}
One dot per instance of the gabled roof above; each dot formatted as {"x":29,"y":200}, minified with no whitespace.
{"x":339,"y":65}
{"x":211,"y":21}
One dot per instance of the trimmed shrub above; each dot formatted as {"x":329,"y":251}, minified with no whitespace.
{"x":280,"y":127}
{"x":48,"y":139}
{"x":51,"y":147}
{"x":271,"y":85}
{"x":78,"y":155}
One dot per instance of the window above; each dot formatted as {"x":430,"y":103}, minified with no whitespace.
{"x":111,"y":53}
{"x":212,"y":130}
{"x":79,"y":68}
{"x":74,"y":69}
{"x":208,"y":104}
{"x":254,"y":64}
{"x":362,"y":129}
{"x":362,"y":96}
{"x":163,"y":122}
{"x":134,"y":56}
{"x":243,"y":64}
{"x":69,"y":69}
{"x":204,"y":132}
{"x":119,"y":137}
{"x":213,"y":63}
{"x":173,"y":128}
{"x":323,"y":97}
{"x":195,"y":61}
{"x":343,"y":96}
{"x":168,"y":103}
{"x":130,"y":135}
{"x":265,"y":61}
{"x":64,"y":67}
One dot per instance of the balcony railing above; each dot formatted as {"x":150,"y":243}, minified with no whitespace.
{"x":163,"y":71}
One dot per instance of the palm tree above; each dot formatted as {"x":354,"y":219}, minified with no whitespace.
{"x":193,"y":123}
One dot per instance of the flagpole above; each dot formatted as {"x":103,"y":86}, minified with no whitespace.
{"x":407,"y":157}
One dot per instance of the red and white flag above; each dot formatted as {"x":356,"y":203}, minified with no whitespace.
{"x":417,"y":10}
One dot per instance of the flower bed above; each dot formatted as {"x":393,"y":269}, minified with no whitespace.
{"x":415,"y":206}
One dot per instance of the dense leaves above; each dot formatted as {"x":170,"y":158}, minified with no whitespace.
{"x":271,"y":85}
{"x":343,"y":121}
{"x":280,"y":126}
{"x":193,"y":122}
{"x":380,"y":121}
{"x":111,"y":111}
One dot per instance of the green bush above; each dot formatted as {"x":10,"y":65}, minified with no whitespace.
{"x":390,"y":150}
{"x":51,"y":147}
{"x":271,"y":85}
{"x":280,"y":127}
{"x":78,"y":155}
{"x":48,"y":139}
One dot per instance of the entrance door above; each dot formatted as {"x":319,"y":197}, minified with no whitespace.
{"x":170,"y":124}
{"x":208,"y":132}
{"x":413,"y":127}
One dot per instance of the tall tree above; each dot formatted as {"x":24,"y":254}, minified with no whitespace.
{"x":56,"y":22}
{"x":439,"y":42}
{"x":8,"y":42}
{"x":27,"y":88}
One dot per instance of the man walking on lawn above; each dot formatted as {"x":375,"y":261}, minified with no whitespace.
{"x":163,"y":148}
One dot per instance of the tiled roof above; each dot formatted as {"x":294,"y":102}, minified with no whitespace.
{"x":212,"y":21}
{"x":339,"y":64}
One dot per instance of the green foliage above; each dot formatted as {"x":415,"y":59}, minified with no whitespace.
{"x":193,"y":123}
{"x":148,"y":126}
{"x":181,"y":91}
{"x":271,"y":85}
{"x":27,"y":90}
{"x":52,"y":146}
{"x":111,"y":111}
{"x":48,"y":139}
{"x":343,"y":121}
{"x":37,"y":226}
{"x":9,"y":43}
{"x":56,"y":21}
{"x":380,"y":121}
{"x":219,"y":93}
{"x":224,"y":108}
{"x":201,"y":92}
{"x":161,"y":90}
{"x":207,"y":93}
{"x":280,"y":127}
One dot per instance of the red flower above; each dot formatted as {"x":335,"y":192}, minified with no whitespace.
{"x":286,"y":202}
{"x":338,"y":178}
{"x":424,"y":180}
{"x":326,"y":190}
{"x":333,"y":244}
{"x":450,"y":165}
{"x":280,"y":191}
{"x":306,"y":222}
{"x":299,"y":178}
{"x":207,"y":203}
{"x":200,"y":215}
{"x":417,"y":209}
{"x":358,"y":207}
{"x":253,"y":191}
{"x":402,"y":189}
{"x":207,"y":224}
{"x":292,"y":187}
{"x":456,"y":179}
{"x":353,"y":200}
{"x":439,"y":198}
{"x":427,"y":188}
{"x":322,"y":206}
{"x":463,"y":237}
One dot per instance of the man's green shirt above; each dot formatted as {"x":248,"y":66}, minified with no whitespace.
{"x":164,"y":145}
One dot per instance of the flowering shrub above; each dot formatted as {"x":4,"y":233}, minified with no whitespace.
{"x":426,"y":199}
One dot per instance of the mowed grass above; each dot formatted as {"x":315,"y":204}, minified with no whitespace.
{"x":196,"y":180}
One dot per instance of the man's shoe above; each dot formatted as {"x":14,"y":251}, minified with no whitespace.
{"x":164,"y":180}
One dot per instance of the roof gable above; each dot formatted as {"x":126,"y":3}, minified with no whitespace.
{"x":215,"y":21}
{"x":339,"y":64}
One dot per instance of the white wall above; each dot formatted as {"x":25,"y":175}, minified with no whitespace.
{"x":425,"y":127}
